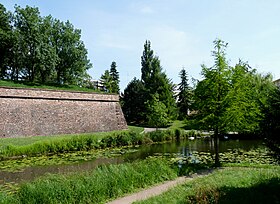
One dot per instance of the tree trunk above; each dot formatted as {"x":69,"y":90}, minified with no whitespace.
{"x":216,"y":147}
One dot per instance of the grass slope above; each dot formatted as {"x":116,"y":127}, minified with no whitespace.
{"x":34,"y":85}
{"x":229,"y":185}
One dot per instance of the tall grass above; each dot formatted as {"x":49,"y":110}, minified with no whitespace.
{"x":230,"y":185}
{"x":98,"y":186}
{"x":84,"y":142}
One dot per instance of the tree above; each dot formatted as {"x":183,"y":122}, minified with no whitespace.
{"x":211,"y":92}
{"x":157,"y":113}
{"x":231,"y":98}
{"x":155,"y":81}
{"x":107,"y":81}
{"x":115,"y":78}
{"x":133,"y":102}
{"x":184,"y":96}
{"x":43,"y":49}
{"x":270,"y":125}
{"x":72,"y":55}
{"x":147,"y":63}
{"x":244,"y":100}
{"x":27,"y":21}
{"x":5,"y":39}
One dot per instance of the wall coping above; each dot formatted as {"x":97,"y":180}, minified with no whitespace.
{"x":48,"y":94}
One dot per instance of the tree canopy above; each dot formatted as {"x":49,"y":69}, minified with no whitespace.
{"x":41,"y":49}
{"x":231,"y":98}
{"x":154,"y":87}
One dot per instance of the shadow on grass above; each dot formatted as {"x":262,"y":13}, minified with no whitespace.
{"x":265,"y":192}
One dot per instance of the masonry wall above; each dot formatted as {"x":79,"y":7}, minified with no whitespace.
{"x":28,"y":112}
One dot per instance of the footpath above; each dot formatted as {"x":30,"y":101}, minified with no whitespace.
{"x":157,"y":190}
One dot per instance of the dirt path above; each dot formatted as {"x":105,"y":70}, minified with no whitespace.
{"x":156,"y":190}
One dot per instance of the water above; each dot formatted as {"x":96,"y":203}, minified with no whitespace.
{"x":184,"y":148}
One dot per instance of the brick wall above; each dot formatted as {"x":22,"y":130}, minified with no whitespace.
{"x":28,"y":112}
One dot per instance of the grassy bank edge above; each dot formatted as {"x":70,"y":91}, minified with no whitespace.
{"x":235,"y":184}
{"x":100,"y":185}
{"x":35,"y":146}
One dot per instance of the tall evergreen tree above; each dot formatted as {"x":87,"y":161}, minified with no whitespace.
{"x":147,"y":62}
{"x":184,"y":96}
{"x":155,"y":81}
{"x":133,"y":102}
{"x":115,"y":78}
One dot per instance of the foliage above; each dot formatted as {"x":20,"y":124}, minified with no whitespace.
{"x":270,"y":126}
{"x":157,"y":113}
{"x":211,"y":93}
{"x":106,"y":81}
{"x":230,"y":98}
{"x":184,"y":96}
{"x":110,"y":79}
{"x":153,"y":81}
{"x":115,"y":78}
{"x":5,"y":39}
{"x":133,"y":102}
{"x":41,"y":49}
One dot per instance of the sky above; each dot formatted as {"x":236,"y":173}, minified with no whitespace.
{"x":181,"y":32}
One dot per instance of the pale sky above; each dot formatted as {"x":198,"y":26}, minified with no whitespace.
{"x":181,"y":32}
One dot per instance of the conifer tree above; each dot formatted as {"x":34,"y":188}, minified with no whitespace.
{"x":184,"y":96}
{"x":115,"y":78}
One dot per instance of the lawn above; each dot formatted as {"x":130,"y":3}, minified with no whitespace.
{"x":229,"y":185}
{"x":19,"y":84}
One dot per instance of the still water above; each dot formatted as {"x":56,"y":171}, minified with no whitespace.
{"x":184,"y":148}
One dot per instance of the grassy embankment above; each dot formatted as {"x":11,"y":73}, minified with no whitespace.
{"x":257,"y":184}
{"x":6,"y":83}
{"x":34,"y":146}
{"x":98,"y":186}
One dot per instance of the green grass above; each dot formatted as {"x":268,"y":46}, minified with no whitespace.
{"x":31,"y":140}
{"x":45,"y":86}
{"x":98,"y":186}
{"x":35,"y":146}
{"x":229,"y":185}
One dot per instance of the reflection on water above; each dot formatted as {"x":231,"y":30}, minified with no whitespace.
{"x":185,"y":148}
{"x":31,"y":173}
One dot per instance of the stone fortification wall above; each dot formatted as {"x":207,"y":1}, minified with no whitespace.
{"x":28,"y":112}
